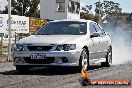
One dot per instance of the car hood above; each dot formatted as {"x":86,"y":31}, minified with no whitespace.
{"x":52,"y":39}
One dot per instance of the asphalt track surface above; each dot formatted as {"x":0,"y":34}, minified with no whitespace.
{"x":61,"y":77}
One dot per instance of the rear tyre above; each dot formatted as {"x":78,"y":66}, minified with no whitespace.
{"x":108,"y":58}
{"x":84,"y":59}
{"x":22,"y":69}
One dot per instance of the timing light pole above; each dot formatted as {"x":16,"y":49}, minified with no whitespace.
{"x":9,"y":30}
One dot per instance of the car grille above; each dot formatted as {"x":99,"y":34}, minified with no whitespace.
{"x":39,"y":48}
{"x":48,"y":60}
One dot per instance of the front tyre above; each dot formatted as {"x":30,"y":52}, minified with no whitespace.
{"x":84,"y":59}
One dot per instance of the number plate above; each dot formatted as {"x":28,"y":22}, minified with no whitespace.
{"x":38,"y":56}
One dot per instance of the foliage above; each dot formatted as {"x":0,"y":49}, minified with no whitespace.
{"x":97,"y":17}
{"x":129,"y":19}
{"x":109,"y":10}
{"x":86,"y":16}
{"x":24,"y":8}
{"x":107,"y":7}
{"x":87,"y":8}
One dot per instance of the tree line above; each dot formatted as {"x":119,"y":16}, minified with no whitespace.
{"x":29,"y":8}
{"x":106,"y":10}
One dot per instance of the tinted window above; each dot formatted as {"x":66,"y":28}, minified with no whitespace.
{"x":99,"y":30}
{"x":92,"y":28}
{"x":63,"y":28}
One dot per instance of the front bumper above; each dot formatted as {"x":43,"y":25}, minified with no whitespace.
{"x":72,"y":57}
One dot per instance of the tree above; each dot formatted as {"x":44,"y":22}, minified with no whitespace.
{"x":0,"y":10}
{"x":107,"y":7}
{"x":129,"y":19}
{"x":86,"y":16}
{"x":34,"y":9}
{"x":6,"y":10}
{"x":87,"y":9}
{"x":109,"y":12}
{"x":97,"y":17}
{"x":24,"y":8}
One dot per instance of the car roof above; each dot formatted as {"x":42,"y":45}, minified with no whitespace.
{"x":76,"y":20}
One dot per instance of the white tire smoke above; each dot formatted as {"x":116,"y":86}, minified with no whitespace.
{"x":122,"y":44}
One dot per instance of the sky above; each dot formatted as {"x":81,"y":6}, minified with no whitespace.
{"x":126,"y":5}
{"x":3,"y":3}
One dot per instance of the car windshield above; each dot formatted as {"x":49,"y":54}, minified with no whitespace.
{"x":63,"y":28}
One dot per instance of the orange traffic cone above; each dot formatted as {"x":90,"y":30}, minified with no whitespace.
{"x":84,"y":80}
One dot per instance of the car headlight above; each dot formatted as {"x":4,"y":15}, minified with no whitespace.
{"x":66,"y":47}
{"x":19,"y":47}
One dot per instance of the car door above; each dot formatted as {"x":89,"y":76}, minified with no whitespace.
{"x":103,"y":41}
{"x":95,"y":47}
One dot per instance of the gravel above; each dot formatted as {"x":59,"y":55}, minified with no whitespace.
{"x":66,"y":77}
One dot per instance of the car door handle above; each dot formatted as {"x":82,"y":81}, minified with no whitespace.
{"x":99,"y":42}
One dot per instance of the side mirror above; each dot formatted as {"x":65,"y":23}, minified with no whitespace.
{"x":94,"y":34}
